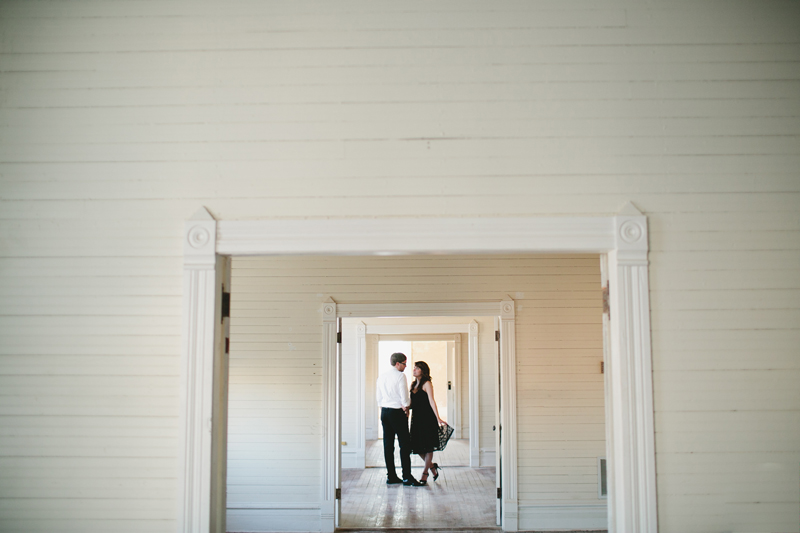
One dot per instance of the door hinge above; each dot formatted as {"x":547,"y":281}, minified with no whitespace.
{"x":226,"y":305}
{"x":499,"y":492}
{"x":338,"y":494}
{"x":227,"y":345}
{"x":606,"y":305}
{"x":339,"y":337}
{"x":497,"y":335}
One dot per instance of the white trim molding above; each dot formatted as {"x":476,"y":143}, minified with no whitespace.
{"x":392,"y":236}
{"x":454,"y":384}
{"x":203,"y":413}
{"x":474,"y":397}
{"x":404,"y":310}
{"x":630,"y":458}
{"x":420,"y":329}
{"x":508,"y":415}
{"x":361,"y":402}
{"x":331,"y":405}
{"x":373,"y":413}
{"x":621,"y":238}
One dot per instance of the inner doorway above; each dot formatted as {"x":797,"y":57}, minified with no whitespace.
{"x":461,"y":496}
{"x":432,"y":352}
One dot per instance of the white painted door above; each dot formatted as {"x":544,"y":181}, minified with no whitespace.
{"x":498,"y":429}
{"x":451,"y":381}
{"x":338,"y":431}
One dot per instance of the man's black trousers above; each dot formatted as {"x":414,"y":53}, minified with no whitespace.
{"x":395,"y":422}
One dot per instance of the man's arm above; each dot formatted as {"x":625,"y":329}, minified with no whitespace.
{"x":403,"y":384}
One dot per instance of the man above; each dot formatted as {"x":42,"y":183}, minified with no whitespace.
{"x":393,"y":399}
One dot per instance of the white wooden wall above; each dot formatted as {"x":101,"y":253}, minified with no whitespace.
{"x":276,"y":345}
{"x":118,"y":119}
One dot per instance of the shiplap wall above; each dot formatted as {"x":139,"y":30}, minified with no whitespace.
{"x":275,"y":404}
{"x":118,"y":119}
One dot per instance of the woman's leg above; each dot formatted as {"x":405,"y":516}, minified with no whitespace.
{"x":433,"y":467}
{"x":424,"y":457}
{"x":428,"y":460}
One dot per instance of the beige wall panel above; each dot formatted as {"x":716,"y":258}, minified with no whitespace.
{"x":119,"y":119}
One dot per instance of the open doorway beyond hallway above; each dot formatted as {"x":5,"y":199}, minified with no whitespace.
{"x":366,"y":500}
{"x":433,"y":352}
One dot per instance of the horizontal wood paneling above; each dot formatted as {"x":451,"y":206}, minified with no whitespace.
{"x":120,"y":118}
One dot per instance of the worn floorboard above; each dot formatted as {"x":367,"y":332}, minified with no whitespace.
{"x":461,"y":497}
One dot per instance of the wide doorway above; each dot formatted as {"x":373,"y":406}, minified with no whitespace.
{"x":463,"y":494}
{"x":622,"y":244}
{"x":275,"y":463}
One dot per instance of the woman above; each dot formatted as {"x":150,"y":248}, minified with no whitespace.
{"x":425,"y":419}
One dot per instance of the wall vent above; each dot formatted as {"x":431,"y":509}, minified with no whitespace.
{"x":602,"y":478}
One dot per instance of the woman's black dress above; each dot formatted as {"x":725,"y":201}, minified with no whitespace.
{"x":424,"y":425}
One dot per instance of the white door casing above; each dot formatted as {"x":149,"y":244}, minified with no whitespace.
{"x":204,"y":380}
{"x":623,"y":238}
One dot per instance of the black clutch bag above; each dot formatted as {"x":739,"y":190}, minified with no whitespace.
{"x":445,"y":432}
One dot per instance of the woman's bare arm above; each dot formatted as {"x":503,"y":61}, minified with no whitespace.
{"x":428,"y":388}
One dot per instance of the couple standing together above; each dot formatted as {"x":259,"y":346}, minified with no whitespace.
{"x":395,"y":401}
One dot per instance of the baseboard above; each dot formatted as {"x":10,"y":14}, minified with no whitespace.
{"x":353,"y":458}
{"x":488,"y":457}
{"x":272,"y":517}
{"x":560,"y":517}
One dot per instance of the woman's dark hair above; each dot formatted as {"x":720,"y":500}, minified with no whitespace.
{"x":426,"y":375}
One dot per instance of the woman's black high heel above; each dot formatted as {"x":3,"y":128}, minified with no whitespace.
{"x":435,"y":467}
{"x":424,"y":479}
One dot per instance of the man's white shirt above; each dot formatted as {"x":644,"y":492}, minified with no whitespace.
{"x":392,"y":390}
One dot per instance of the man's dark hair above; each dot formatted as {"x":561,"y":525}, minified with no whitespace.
{"x":398,"y":357}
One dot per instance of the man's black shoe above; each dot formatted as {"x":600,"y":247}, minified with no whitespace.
{"x":395,"y":481}
{"x":411,"y":482}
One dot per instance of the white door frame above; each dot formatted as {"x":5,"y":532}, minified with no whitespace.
{"x":503,"y":308}
{"x":622,"y":238}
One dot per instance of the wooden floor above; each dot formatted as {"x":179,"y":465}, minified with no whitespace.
{"x":462,"y":497}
